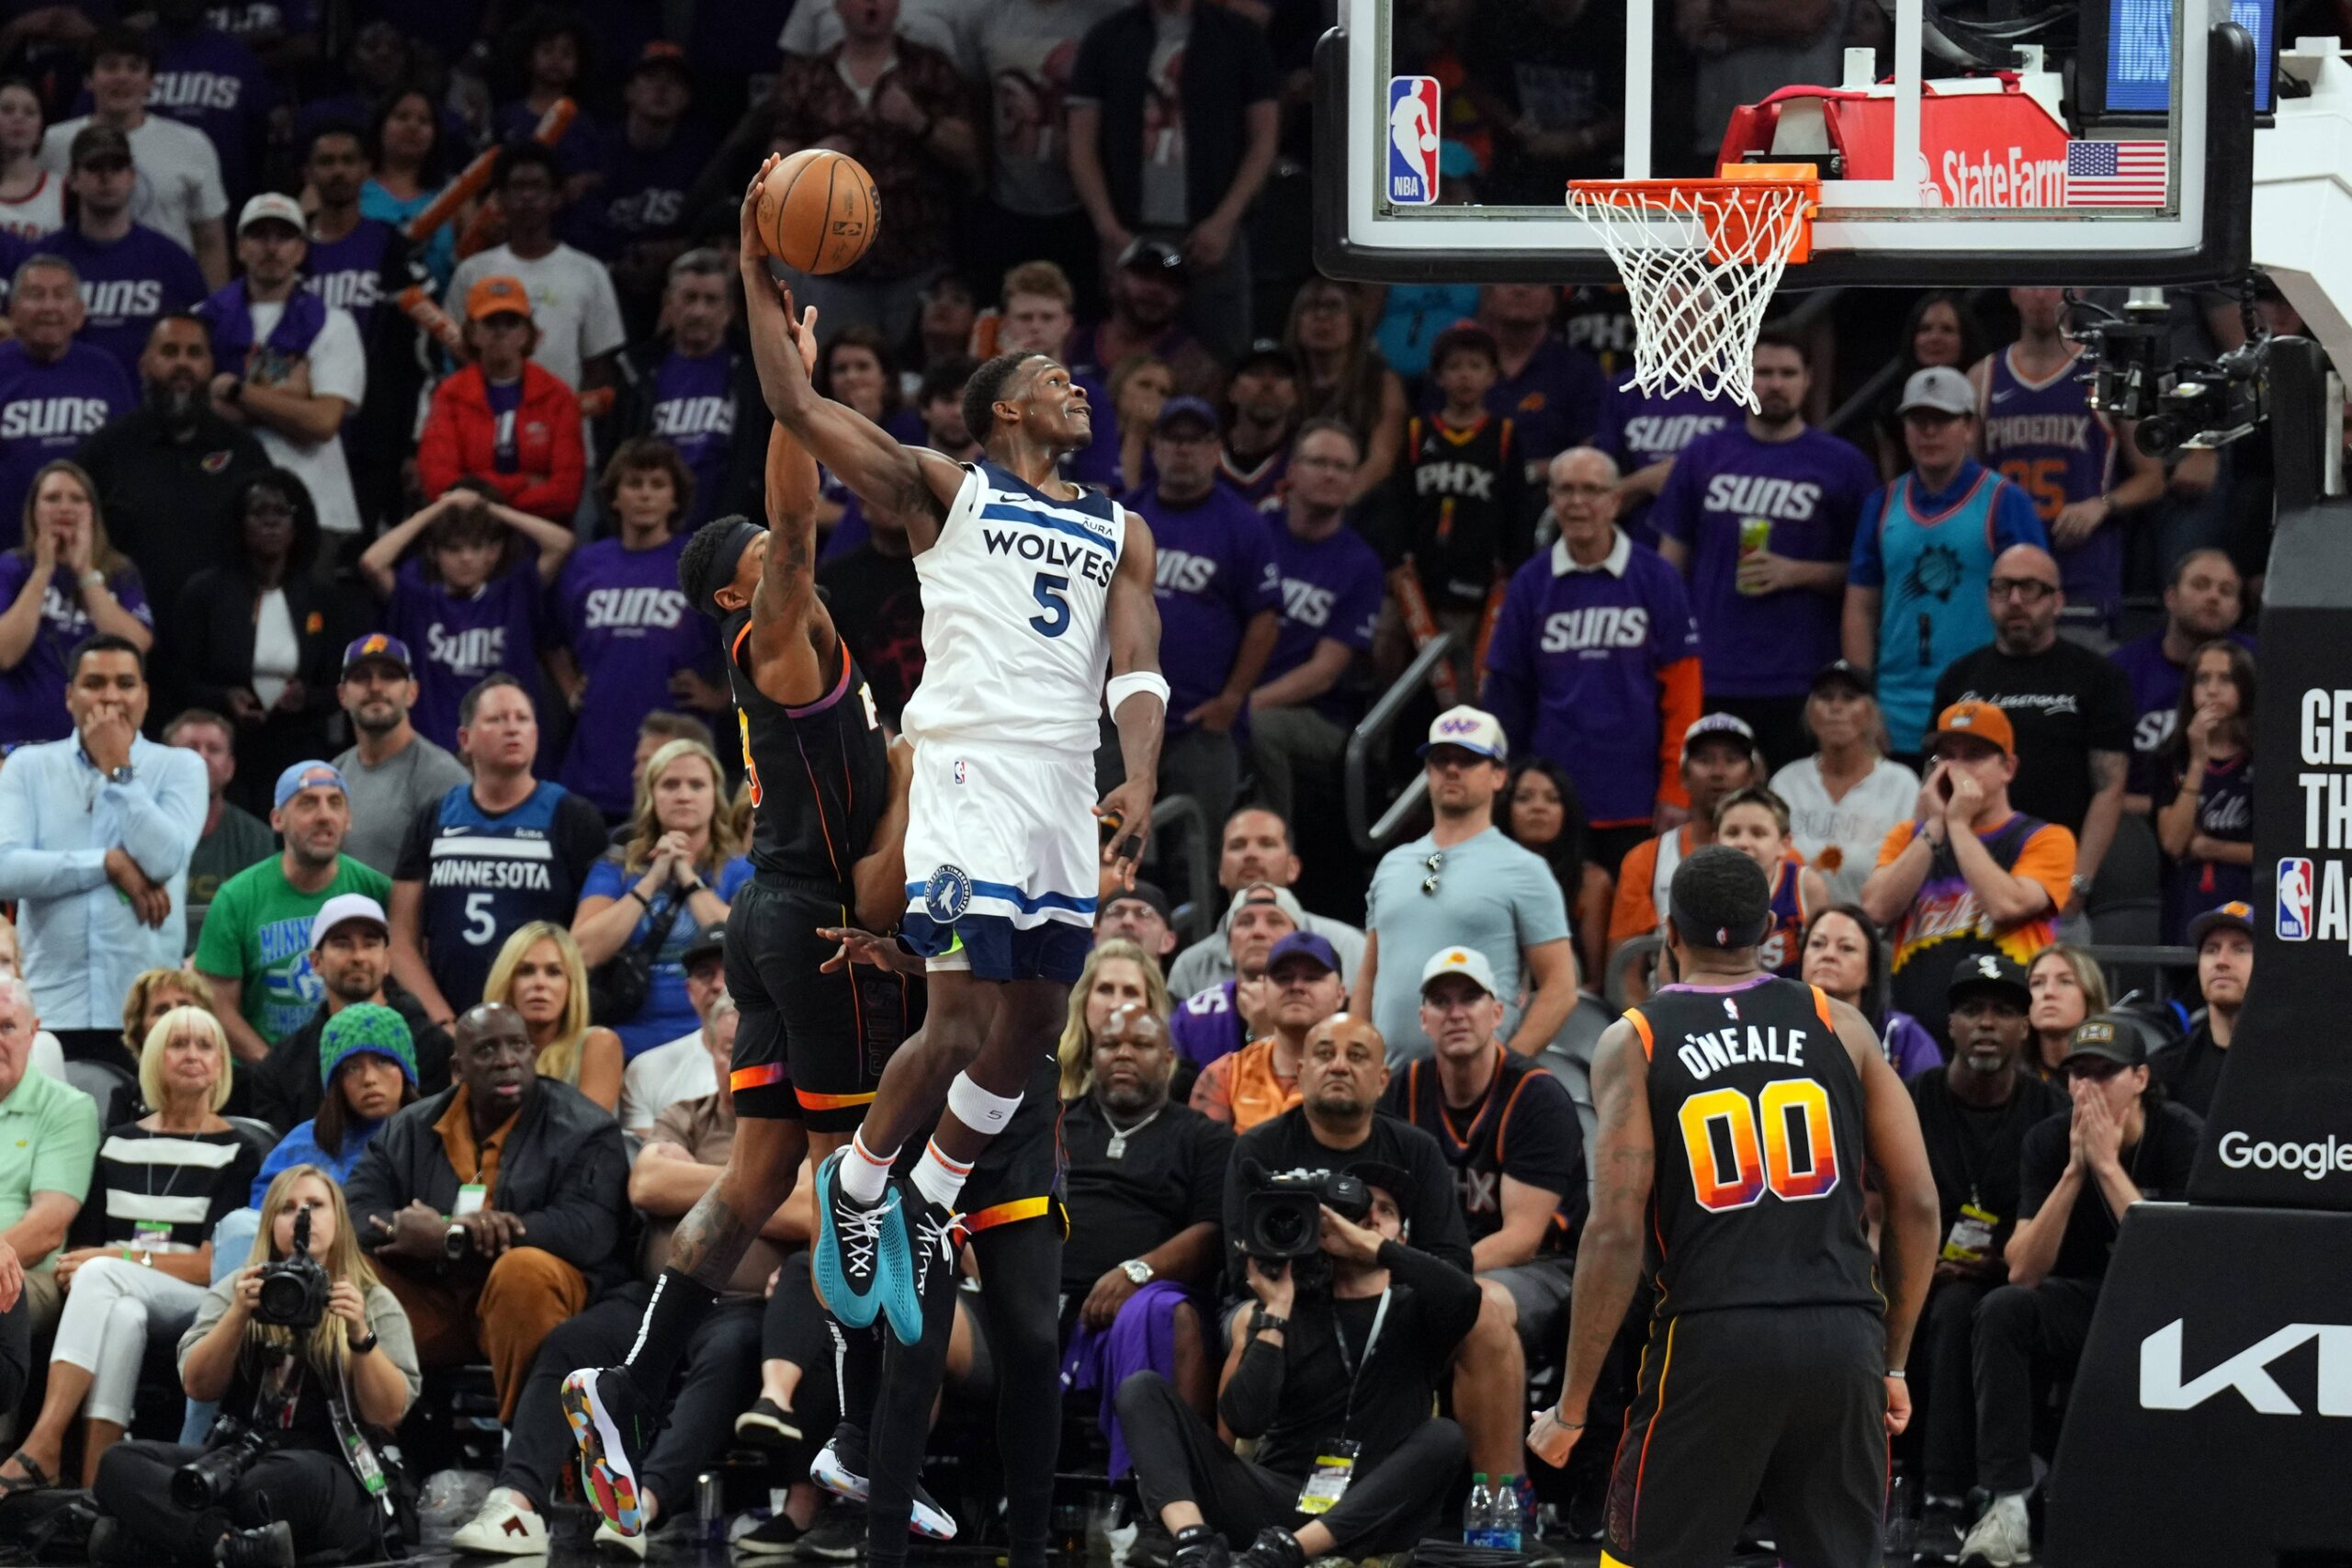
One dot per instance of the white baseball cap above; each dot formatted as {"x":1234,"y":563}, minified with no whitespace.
{"x":346,"y":906}
{"x":1472,"y":729}
{"x":1467,"y":960}
{"x":270,"y":203}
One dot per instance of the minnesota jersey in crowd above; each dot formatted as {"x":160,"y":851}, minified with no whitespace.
{"x":2044,"y":437}
{"x":1216,"y":571}
{"x":126,"y":284}
{"x":1330,"y":587}
{"x":47,"y":410}
{"x":1526,"y":1113}
{"x":1640,"y":428}
{"x":1597,"y":668}
{"x":1730,"y":494}
{"x":1462,"y":510}
{"x":1946,"y":922}
{"x":487,"y":875}
{"x":628,"y":625}
{"x":1930,"y":554}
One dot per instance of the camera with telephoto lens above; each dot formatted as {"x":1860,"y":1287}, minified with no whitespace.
{"x":293,"y":1289}
{"x":1281,"y":1215}
{"x":229,"y":1451}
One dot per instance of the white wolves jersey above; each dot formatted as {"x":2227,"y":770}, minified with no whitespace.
{"x":1015,"y":616}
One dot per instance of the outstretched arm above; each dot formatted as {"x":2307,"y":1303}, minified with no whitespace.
{"x":1141,"y":717}
{"x":791,"y":632}
{"x":904,"y":481}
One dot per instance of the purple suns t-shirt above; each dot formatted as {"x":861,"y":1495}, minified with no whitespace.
{"x":641,"y":193}
{"x":1639,"y":428}
{"x":349,"y":272}
{"x":1804,"y":496}
{"x":629,"y":629}
{"x":456,"y":641}
{"x":211,"y":79}
{"x":694,"y":411}
{"x":1330,"y":587}
{"x":47,"y":411}
{"x":126,"y":285}
{"x":1217,"y":570}
{"x":32,"y":693}
{"x":1554,"y":400}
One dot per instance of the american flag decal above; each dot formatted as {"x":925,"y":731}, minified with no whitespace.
{"x":2116,"y":174}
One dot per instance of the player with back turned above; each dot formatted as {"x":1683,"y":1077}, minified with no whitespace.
{"x":1739,"y":1114}
{"x":830,"y":799}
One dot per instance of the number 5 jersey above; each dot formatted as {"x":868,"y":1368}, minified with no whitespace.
{"x":1756,"y":1111}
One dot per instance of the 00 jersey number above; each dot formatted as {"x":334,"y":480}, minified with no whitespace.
{"x":1780,"y":1142}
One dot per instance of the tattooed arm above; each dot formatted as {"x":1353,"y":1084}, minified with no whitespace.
{"x":1609,"y":1261}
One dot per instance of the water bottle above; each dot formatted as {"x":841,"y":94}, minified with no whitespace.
{"x":1503,"y":1532}
{"x":1527,"y":1507}
{"x":1478,"y":1512}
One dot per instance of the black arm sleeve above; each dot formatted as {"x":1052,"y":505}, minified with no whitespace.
{"x":1449,"y":1295}
{"x":1252,"y":1396}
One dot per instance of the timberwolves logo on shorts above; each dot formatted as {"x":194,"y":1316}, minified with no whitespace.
{"x":946,"y":893}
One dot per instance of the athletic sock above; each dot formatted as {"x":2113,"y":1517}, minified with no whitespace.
{"x":863,"y":1174}
{"x":939,"y":1179}
{"x":676,"y":1309}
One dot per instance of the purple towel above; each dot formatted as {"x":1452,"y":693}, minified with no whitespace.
{"x":1142,"y":1338}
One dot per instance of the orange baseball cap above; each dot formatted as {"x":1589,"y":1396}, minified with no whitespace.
{"x":496,"y":296}
{"x":1982,"y":720}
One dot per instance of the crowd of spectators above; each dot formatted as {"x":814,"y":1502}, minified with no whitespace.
{"x":369,"y":839}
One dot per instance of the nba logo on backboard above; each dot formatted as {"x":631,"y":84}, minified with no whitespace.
{"x":1412,"y":140}
{"x":2294,"y":898}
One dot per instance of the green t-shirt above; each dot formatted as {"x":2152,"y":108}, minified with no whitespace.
{"x":259,"y":929}
{"x":49,"y":1141}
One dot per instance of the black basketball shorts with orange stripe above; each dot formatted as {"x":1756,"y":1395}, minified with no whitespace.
{"x":809,"y":1046}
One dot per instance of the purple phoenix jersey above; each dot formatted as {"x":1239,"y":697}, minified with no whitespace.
{"x":694,"y":411}
{"x":1207,"y":1026}
{"x":126,"y":285}
{"x":47,"y":410}
{"x":456,"y":642}
{"x":1554,"y":400}
{"x":1261,"y":483}
{"x":1574,"y":671}
{"x":212,"y":80}
{"x":629,"y":629}
{"x":1217,"y":570}
{"x":365,"y":269}
{"x":2156,"y":701}
{"x":1638,"y":430}
{"x":2043,"y":437}
{"x":32,"y":691}
{"x":1330,"y":587}
{"x":1803,"y":497}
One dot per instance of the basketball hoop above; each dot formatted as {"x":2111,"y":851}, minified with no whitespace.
{"x":1699,"y":260}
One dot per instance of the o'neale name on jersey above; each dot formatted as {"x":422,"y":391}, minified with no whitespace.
{"x":123,"y":296}
{"x":645,"y":607}
{"x":51,"y":416}
{"x":2071,"y":430}
{"x":1597,"y":625}
{"x":694,"y":416}
{"x":1472,"y":480}
{"x":1044,"y":549}
{"x":1759,"y":495}
{"x":1739,"y":1045}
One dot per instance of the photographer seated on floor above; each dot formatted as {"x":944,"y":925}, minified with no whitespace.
{"x":314,"y":1364}
{"x":1332,"y":1370}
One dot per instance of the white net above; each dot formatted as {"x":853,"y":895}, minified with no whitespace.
{"x":1696,"y":314}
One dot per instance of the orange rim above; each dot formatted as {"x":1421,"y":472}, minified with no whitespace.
{"x":1733,"y":205}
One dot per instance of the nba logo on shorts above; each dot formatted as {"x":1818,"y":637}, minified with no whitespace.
{"x":1412,"y":140}
{"x":959,"y":770}
{"x":2294,"y":898}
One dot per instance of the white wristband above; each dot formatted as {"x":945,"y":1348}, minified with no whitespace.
{"x":1122,"y":687}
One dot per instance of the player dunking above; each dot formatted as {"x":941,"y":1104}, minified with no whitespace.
{"x":1738,"y":1113}
{"x":830,"y":818}
{"x":1030,"y":588}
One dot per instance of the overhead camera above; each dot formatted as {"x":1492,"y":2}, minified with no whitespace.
{"x":2190,"y":405}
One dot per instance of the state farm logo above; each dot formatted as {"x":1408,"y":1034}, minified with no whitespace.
{"x":2316,"y":1159}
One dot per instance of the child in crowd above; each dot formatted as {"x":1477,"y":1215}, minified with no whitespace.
{"x":1754,"y":821}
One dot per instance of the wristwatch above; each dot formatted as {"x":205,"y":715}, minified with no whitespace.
{"x":120,"y":776}
{"x":2080,"y":885}
{"x":361,"y":1347}
{"x":1138,"y":1270}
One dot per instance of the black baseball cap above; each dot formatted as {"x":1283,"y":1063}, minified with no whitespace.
{"x":2110,"y":1037}
{"x":708,"y":942}
{"x":1268,"y":350}
{"x":2235,"y":915}
{"x":1142,"y":893}
{"x":1147,"y":254}
{"x":1995,"y":972}
{"x":1848,"y":671}
{"x":1393,"y":1180}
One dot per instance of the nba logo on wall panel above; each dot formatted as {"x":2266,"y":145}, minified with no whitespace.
{"x":1412,"y":140}
{"x":2294,"y":898}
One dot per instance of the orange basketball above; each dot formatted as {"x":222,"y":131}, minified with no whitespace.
{"x":818,"y":212}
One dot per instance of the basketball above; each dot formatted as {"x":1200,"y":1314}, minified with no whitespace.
{"x":818,"y":212}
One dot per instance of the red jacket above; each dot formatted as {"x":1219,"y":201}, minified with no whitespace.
{"x":461,"y":437}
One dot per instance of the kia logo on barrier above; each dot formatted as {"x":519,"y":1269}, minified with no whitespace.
{"x":2161,"y":1387}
